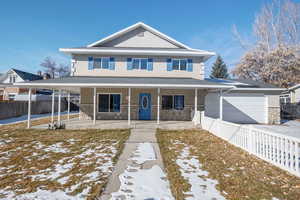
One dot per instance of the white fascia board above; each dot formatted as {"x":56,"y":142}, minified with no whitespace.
{"x":134,"y":26}
{"x":134,"y":52}
{"x":259,"y":89}
{"x":28,"y":84}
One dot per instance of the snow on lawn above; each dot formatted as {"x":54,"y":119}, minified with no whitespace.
{"x":202,"y":187}
{"x":74,"y":174}
{"x":24,"y":118}
{"x":138,"y":183}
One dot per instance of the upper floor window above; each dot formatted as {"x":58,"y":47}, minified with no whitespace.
{"x":140,"y":64}
{"x":179,"y":65}
{"x":101,"y":63}
{"x":12,"y":78}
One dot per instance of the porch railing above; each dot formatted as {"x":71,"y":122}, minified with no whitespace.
{"x":277,"y":149}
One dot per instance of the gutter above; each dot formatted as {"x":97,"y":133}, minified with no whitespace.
{"x":134,"y":52}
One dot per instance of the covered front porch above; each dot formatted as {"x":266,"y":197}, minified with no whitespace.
{"x":126,"y":100}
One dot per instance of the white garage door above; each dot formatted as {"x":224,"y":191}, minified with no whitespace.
{"x":244,"y":108}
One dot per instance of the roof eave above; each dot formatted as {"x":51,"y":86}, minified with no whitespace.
{"x":71,"y":51}
{"x":120,"y":85}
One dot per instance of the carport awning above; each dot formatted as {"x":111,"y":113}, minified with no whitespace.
{"x":121,"y":82}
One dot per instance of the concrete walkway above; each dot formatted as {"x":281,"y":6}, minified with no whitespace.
{"x":139,"y":135}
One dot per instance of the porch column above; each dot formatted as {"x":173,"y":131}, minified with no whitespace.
{"x":52,"y":108}
{"x":29,"y":109}
{"x":79,"y":104}
{"x":158,"y":104}
{"x":129,"y":98}
{"x":196,"y":101}
{"x":221,"y":105}
{"x":94,"y":119}
{"x":59,"y":106}
{"x":69,"y":106}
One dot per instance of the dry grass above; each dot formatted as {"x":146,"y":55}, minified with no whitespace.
{"x":75,"y":162}
{"x":35,"y":122}
{"x":239,"y":174}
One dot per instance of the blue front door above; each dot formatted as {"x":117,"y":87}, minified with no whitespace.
{"x":145,"y":106}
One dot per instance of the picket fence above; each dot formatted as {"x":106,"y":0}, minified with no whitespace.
{"x":277,"y":149}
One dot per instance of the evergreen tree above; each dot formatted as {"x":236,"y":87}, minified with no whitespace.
{"x":219,"y":69}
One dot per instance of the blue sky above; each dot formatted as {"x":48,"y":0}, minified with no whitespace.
{"x":31,"y":30}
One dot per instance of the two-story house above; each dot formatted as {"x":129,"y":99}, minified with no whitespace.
{"x":139,"y":73}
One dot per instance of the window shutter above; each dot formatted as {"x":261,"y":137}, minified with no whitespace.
{"x":91,"y":63}
{"x":129,"y":63}
{"x":112,"y":63}
{"x":169,"y":64}
{"x":190,"y":65}
{"x":150,"y":64}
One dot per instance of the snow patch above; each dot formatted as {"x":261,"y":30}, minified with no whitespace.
{"x":143,"y":184}
{"x":144,"y":153}
{"x":202,"y":187}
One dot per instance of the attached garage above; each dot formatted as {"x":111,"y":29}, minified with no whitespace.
{"x":238,"y":107}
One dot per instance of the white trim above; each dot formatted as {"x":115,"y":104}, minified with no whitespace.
{"x":29,"y":108}
{"x":158,"y":105}
{"x":258,"y":89}
{"x":122,"y":85}
{"x":52,"y":106}
{"x":135,"y":26}
{"x":109,"y":93}
{"x":59,"y":107}
{"x":135,"y":52}
{"x":129,"y":105}
{"x":94,"y":102}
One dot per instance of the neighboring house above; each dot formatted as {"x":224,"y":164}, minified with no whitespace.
{"x":291,"y":95}
{"x":7,"y":90}
{"x":295,"y":93}
{"x":142,"y":74}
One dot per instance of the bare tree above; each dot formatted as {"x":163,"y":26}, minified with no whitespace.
{"x":274,"y":55}
{"x":55,"y":70}
{"x":50,"y":66}
{"x":63,"y":70}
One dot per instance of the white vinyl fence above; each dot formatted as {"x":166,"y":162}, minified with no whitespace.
{"x":277,"y":149}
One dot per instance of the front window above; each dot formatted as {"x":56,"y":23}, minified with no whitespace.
{"x":170,"y":102}
{"x":179,"y":64}
{"x":109,"y":102}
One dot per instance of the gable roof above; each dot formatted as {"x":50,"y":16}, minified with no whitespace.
{"x":133,"y":27}
{"x":26,"y":76}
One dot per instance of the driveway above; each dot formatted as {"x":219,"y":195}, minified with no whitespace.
{"x":290,"y":128}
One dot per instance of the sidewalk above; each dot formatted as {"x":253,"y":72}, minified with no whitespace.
{"x":139,"y":173}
